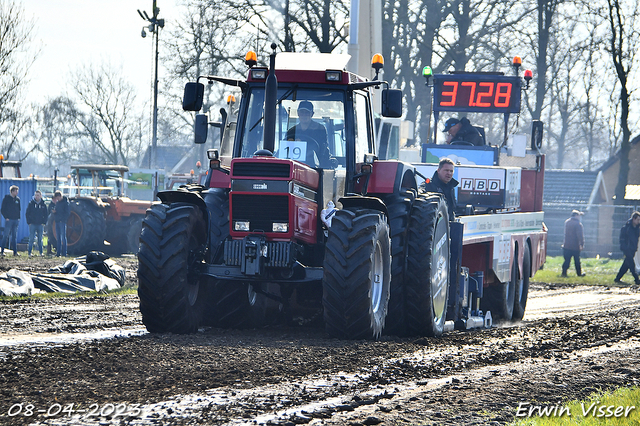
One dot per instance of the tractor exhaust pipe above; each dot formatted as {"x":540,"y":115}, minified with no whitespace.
{"x":270,"y":101}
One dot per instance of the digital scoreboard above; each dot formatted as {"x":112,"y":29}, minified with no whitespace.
{"x":476,"y":92}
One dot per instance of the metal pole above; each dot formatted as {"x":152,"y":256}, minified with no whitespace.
{"x":154,"y":137}
{"x":154,"y":29}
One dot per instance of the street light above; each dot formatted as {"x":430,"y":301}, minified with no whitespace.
{"x":154,"y":28}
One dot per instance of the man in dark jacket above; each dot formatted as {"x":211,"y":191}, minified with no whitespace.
{"x":573,"y":242}
{"x":313,"y":133}
{"x":60,"y":212}
{"x":629,"y":235}
{"x":444,"y":183}
{"x":462,"y":130}
{"x":11,"y":213}
{"x":36,"y":219}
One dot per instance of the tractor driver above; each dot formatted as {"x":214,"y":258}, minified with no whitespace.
{"x":311,"y":132}
{"x":461,"y":130}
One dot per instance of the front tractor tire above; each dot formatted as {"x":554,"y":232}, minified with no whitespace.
{"x":357,"y":274}
{"x":171,"y":245}
{"x":428,"y":258}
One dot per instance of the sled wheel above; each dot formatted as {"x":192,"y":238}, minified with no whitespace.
{"x":522,"y":286}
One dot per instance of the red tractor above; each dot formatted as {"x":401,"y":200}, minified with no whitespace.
{"x":290,"y":225}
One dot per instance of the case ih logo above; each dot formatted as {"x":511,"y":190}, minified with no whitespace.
{"x":480,"y":185}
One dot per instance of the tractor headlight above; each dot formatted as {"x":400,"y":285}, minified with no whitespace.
{"x":241,"y":225}
{"x":280,"y":227}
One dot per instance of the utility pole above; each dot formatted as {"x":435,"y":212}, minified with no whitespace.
{"x":154,"y":28}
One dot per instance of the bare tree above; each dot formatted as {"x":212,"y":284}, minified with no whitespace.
{"x":624,"y":41}
{"x":302,"y":25}
{"x":16,"y":57}
{"x":109,"y":114}
{"x":593,"y":123}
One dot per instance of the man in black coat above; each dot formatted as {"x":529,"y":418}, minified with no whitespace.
{"x":11,"y":213}
{"x":314,"y":134}
{"x":443,"y":183}
{"x":60,"y":211}
{"x":629,"y":235}
{"x":462,"y":130}
{"x":36,"y":215}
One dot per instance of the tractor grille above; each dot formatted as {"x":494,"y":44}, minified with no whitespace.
{"x":261,"y":169}
{"x":279,"y":254}
{"x":260,"y":210}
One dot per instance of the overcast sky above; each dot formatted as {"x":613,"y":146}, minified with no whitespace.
{"x":76,"y":32}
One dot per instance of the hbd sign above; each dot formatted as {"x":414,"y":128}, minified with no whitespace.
{"x":480,"y":186}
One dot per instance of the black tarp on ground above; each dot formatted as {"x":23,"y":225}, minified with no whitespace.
{"x":93,"y":272}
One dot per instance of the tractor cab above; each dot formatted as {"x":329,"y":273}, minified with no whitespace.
{"x":313,"y":112}
{"x":96,"y":181}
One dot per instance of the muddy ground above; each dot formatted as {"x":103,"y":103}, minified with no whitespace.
{"x":88,"y":360}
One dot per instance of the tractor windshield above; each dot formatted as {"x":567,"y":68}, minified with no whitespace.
{"x":309,"y":126}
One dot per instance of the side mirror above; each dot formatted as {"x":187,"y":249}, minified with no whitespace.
{"x":201,"y":127}
{"x":193,"y":96}
{"x":392,"y":103}
{"x":536,"y":134}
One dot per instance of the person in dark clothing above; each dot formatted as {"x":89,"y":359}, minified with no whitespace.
{"x":313,"y":133}
{"x":462,"y":130}
{"x":36,"y":215}
{"x":443,"y":182}
{"x":629,"y":235}
{"x":60,"y":211}
{"x":573,"y":243}
{"x":11,"y":212}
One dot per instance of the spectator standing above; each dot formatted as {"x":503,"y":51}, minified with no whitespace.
{"x":60,"y":212}
{"x":36,"y":219}
{"x":573,"y":243}
{"x":11,"y":212}
{"x":443,"y":182}
{"x":629,"y":235}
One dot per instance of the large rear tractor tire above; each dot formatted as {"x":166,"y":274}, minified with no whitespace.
{"x":357,"y":274}
{"x":399,"y":210}
{"x":522,"y":286}
{"x":171,"y":245}
{"x":86,"y":228}
{"x":428,"y":258}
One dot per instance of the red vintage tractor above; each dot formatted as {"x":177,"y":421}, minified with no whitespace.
{"x":102,"y":218}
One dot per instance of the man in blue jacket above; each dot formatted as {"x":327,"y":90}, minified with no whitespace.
{"x":11,"y":213}
{"x":629,"y":235}
{"x":36,"y":219}
{"x":60,"y":212}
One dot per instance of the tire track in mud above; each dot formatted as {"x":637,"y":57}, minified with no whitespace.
{"x":236,"y":377}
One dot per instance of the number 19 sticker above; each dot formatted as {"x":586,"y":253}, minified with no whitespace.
{"x":293,"y":150}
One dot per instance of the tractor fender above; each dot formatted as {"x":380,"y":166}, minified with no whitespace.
{"x":183,"y":196}
{"x":404,"y":177}
{"x":355,"y":201}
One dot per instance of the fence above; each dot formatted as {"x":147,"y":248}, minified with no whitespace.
{"x":601,"y":223}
